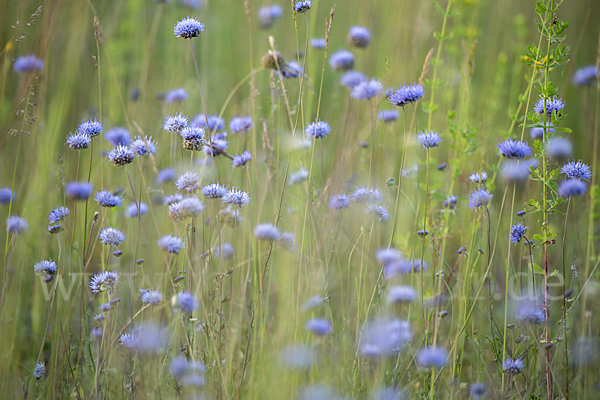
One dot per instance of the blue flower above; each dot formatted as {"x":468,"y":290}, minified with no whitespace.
{"x":512,"y":367}
{"x":478,"y":177}
{"x":79,"y":190}
{"x":78,"y":141}
{"x":317,"y":129}
{"x":517,"y":170}
{"x":105,"y":307}
{"x":45,"y":267}
{"x":189,"y":181}
{"x":6,"y":195}
{"x":577,"y":170}
{"x":16,"y":225}
{"x":58,"y":214}
{"x":173,"y":198}
{"x":367,"y":90}
{"x":401,"y":294}
{"x":318,"y":326}
{"x":111,"y":236}
{"x":193,"y":138}
{"x":380,"y":213}
{"x":290,"y":70}
{"x":214,"y":122}
{"x":514,"y":149}
{"x":318,"y":43}
{"x":406,"y":94}
{"x":121,"y":155}
{"x":225,"y":251}
{"x":187,"y":302}
{"x":105,"y":281}
{"x":189,"y":207}
{"x":176,"y":95}
{"x":132,"y":210}
{"x":143,"y":147}
{"x":214,"y":191}
{"x":553,"y":105}
{"x":241,"y":160}
{"x":107,"y":199}
{"x":432,"y":357}
{"x":388,"y":115}
{"x":558,"y":148}
{"x":298,"y":177}
{"x":128,"y":340}
{"x":429,"y":139}
{"x":479,"y":198}
{"x":188,"y":28}
{"x":363,"y":194}
{"x":240,"y":124}
{"x":91,"y":128}
{"x":359,"y":36}
{"x":516,"y":232}
{"x":352,"y":79}
{"x":531,"y":313}
{"x":387,"y":256}
{"x":165,"y":175}
{"x":217,"y":145}
{"x":342,"y":60}
{"x":267,"y":15}
{"x":585,"y":76}
{"x":55,"y":228}
{"x":339,"y":202}
{"x":571,"y":187}
{"x":118,"y":136}
{"x":175,"y":123}
{"x":39,"y":370}
{"x":170,"y":244}
{"x":477,"y":391}
{"x":28,"y":63}
{"x":237,"y":197}
{"x":384,"y":337}
{"x":537,"y":133}
{"x":267,"y":232}
{"x":450,"y":202}
{"x":151,"y":297}
{"x":302,"y":6}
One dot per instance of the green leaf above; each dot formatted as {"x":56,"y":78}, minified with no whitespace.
{"x":537,"y":269}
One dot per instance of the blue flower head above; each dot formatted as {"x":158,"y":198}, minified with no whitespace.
{"x":514,"y":149}
{"x":317,"y":129}
{"x":78,"y":141}
{"x":165,"y":175}
{"x":406,"y":94}
{"x":479,"y":198}
{"x":553,"y":105}
{"x":241,"y":160}
{"x":478,"y":391}
{"x":111,"y":236}
{"x":318,"y":326}
{"x":187,"y":302}
{"x":45,"y":267}
{"x":240,"y":124}
{"x":531,"y":313}
{"x":214,"y":191}
{"x":318,"y":43}
{"x":55,"y":228}
{"x":585,"y":76}
{"x":58,"y":214}
{"x":401,"y":294}
{"x":432,"y":357}
{"x":28,"y":64}
{"x":6,"y":195}
{"x":189,"y":181}
{"x":388,"y":115}
{"x":188,"y":28}
{"x":339,"y":202}
{"x":478,"y":177}
{"x":78,"y":190}
{"x":108,"y":199}
{"x":91,"y":128}
{"x":571,"y":187}
{"x":214,"y":122}
{"x":193,"y":138}
{"x":217,"y":145}
{"x":118,"y":136}
{"x":105,"y":281}
{"x":121,"y":155}
{"x":429,"y":139}
{"x":380,"y":213}
{"x":516,"y":232}
{"x":268,"y":232}
{"x":367,"y":90}
{"x":352,"y":79}
{"x":363,"y":194}
{"x":236,"y":197}
{"x":176,"y":95}
{"x":170,"y":244}
{"x":39,"y":370}
{"x":151,"y":297}
{"x":132,"y":210}
{"x":517,"y":170}
{"x":16,"y":225}
{"x":558,"y":148}
{"x":359,"y":36}
{"x":512,"y":367}
{"x":302,"y":6}
{"x":342,"y":60}
{"x":537,"y":133}
{"x":175,"y":123}
{"x":143,"y":147}
{"x":384,"y":337}
{"x":225,"y":251}
{"x":577,"y":170}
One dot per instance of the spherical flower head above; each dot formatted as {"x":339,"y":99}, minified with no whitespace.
{"x":78,"y":141}
{"x":406,"y":94}
{"x":516,"y":232}
{"x":121,"y":155}
{"x":170,"y":244}
{"x":268,"y":232}
{"x":318,"y":326}
{"x":165,"y":175}
{"x":172,"y":198}
{"x":79,"y":190}
{"x":478,"y":391}
{"x":359,"y":36}
{"x":241,"y":160}
{"x":291,"y":70}
{"x":537,"y":133}
{"x":193,"y":138}
{"x":531,"y":313}
{"x":352,"y":79}
{"x":298,"y":177}
{"x":187,"y":302}
{"x":401,"y":294}
{"x":190,"y":207}
{"x":450,"y":202}
{"x":176,"y":95}
{"x":397,"y":268}
{"x":58,"y":214}
{"x":384,"y":337}
{"x":107,"y":199}
{"x":317,"y":129}
{"x":214,"y":191}
{"x":6,"y":195}
{"x":188,"y":28}
{"x":585,"y":76}
{"x":111,"y":236}
{"x":236,"y":197}
{"x":16,"y":225}
{"x":553,"y":106}
{"x":240,"y":124}
{"x":517,"y":170}
{"x":363,"y":194}
{"x":380,"y":213}
{"x":132,"y":210}
{"x":189,"y":181}
{"x":55,"y":228}
{"x":128,"y":340}
{"x":339,"y":201}
{"x":512,"y":367}
{"x":143,"y":147}
{"x":28,"y":63}
{"x":342,"y":60}
{"x":39,"y":370}
{"x":514,"y":149}
{"x":90,"y":128}
{"x":214,"y":122}
{"x":478,"y":177}
{"x":577,"y":170}
{"x":432,"y":357}
{"x":558,"y":148}
{"x":105,"y":281}
{"x":217,"y":145}
{"x":429,"y":139}
{"x":151,"y":297}
{"x":366,"y":90}
{"x":388,"y":115}
{"x":479,"y":198}
{"x":45,"y":267}
{"x":571,"y":187}
{"x":175,"y":123}
{"x":118,"y":136}
{"x":225,"y":251}
{"x":287,"y":239}
{"x":105,"y":307}
{"x":318,"y":43}
{"x":302,"y":6}
{"x":387,"y":256}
